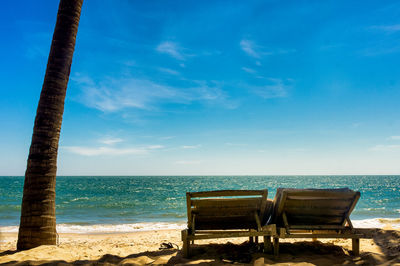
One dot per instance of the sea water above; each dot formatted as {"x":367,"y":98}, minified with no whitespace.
{"x":94,"y":204}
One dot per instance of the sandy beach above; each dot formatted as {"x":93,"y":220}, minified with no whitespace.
{"x":159,"y":123}
{"x":141,"y":248}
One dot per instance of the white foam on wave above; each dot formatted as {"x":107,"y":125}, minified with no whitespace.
{"x":9,"y":229}
{"x":117,"y":228}
{"x":377,"y":223}
{"x":106,"y":228}
{"x":81,"y":198}
{"x":141,"y":227}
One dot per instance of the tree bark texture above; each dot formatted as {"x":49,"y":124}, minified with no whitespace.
{"x":38,"y":217}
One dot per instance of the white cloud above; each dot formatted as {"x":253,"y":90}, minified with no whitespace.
{"x":167,"y":137}
{"x":109,"y":151}
{"x":385,"y":148}
{"x":257,"y":51}
{"x":271,"y":91}
{"x":191,"y":146}
{"x":82,"y":79}
{"x":113,"y":95}
{"x":275,"y":88}
{"x":188,"y":162}
{"x":110,"y":141}
{"x":249,"y":70}
{"x":155,"y":147}
{"x":172,"y":49}
{"x":169,"y":71}
{"x":250,"y":48}
{"x":394,"y":138}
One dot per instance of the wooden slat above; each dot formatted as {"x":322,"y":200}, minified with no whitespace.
{"x":223,"y":225}
{"x":228,"y":207}
{"x":365,"y":232}
{"x":225,"y":218}
{"x":189,"y":209}
{"x":266,"y":228}
{"x":226,"y":193}
{"x":341,"y":204}
{"x":257,"y":221}
{"x":312,"y":220}
{"x":318,"y":227}
{"x":216,"y":232}
{"x":263,"y":203}
{"x":250,"y":202}
{"x":229,"y":235}
{"x":355,"y":200}
{"x":193,"y":223}
{"x":323,"y":194}
{"x":356,"y":197}
{"x":285,"y":222}
{"x":315,"y":211}
{"x":200,"y":220}
{"x":225,"y":212}
{"x":321,"y":236}
{"x":281,"y":203}
{"x":320,"y":197}
{"x":269,"y":227}
{"x":349,"y":222}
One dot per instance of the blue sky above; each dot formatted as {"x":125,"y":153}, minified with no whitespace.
{"x":210,"y":87}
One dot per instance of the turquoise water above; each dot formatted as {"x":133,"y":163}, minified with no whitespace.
{"x":151,"y":199}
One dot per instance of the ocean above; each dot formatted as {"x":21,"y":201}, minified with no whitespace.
{"x":96,"y":204}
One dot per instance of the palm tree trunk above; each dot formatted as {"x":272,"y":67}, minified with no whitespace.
{"x":38,"y":216}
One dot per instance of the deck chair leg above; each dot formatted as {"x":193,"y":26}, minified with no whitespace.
{"x":355,"y":243}
{"x":276,"y":246}
{"x":267,"y":244}
{"x":186,"y":244}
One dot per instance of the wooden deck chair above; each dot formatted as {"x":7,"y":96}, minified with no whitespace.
{"x":315,"y":213}
{"x":225,"y":214}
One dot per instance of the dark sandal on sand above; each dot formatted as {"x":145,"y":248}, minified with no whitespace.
{"x":168,"y":245}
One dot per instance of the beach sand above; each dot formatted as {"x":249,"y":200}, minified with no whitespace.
{"x":143,"y":248}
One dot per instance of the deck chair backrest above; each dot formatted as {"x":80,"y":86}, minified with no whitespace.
{"x":314,"y":206}
{"x":226,"y":209}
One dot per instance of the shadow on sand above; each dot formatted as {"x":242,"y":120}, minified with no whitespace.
{"x":305,"y":253}
{"x":315,"y":253}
